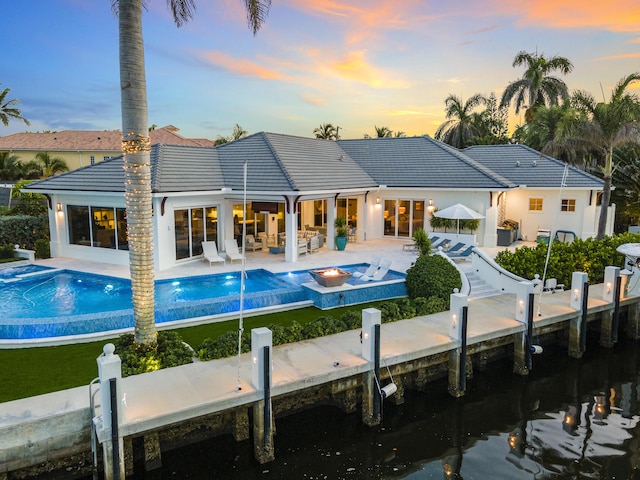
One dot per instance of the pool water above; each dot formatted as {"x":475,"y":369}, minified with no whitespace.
{"x":13,"y":273}
{"x":66,"y":302}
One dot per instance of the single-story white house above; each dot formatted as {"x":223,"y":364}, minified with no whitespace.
{"x":386,"y":187}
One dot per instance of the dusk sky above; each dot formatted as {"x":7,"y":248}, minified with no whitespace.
{"x":355,"y":64}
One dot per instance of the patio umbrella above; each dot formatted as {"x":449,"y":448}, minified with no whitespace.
{"x":458,"y":212}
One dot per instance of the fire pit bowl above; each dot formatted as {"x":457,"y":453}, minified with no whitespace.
{"x":330,"y":277}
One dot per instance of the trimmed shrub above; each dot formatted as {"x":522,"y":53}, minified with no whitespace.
{"x":169,"y":351}
{"x":590,"y":256}
{"x":7,"y":251}
{"x":42,"y":247}
{"x":431,"y":305}
{"x":23,"y":230}
{"x":432,"y":276}
{"x":322,"y":326}
{"x":226,"y":345}
{"x":352,"y":320}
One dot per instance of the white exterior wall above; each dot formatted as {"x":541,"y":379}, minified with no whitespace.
{"x":581,"y":222}
{"x":478,"y":201}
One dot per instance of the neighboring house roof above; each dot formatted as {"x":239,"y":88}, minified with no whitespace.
{"x":90,"y":140}
{"x":288,"y":163}
{"x":523,"y":165}
{"x":421,"y":162}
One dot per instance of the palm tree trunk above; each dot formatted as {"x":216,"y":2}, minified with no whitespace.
{"x":606,"y":196}
{"x":136,"y":149}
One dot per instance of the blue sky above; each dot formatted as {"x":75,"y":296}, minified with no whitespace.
{"x":355,"y":64}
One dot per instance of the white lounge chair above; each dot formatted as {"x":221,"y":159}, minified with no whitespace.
{"x":371,"y":269}
{"x":231,"y":249}
{"x":379,"y":274}
{"x":210,"y":253}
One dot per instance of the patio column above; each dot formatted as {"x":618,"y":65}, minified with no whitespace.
{"x":291,"y":231}
{"x":490,"y":238}
{"x":331,"y":230}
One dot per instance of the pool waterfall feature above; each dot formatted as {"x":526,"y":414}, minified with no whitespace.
{"x":49,"y":305}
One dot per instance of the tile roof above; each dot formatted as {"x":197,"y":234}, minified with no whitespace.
{"x":90,"y":140}
{"x":421,"y":162}
{"x":282,"y":163}
{"x":524,"y":166}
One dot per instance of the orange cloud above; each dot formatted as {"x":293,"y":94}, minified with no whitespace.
{"x":364,"y":19}
{"x":313,"y":99}
{"x":621,"y":56}
{"x":616,"y":15}
{"x":356,"y":67}
{"x":241,"y":66}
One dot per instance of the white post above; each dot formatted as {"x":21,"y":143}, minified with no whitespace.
{"x":611,"y":275}
{"x":260,"y":338}
{"x":109,"y":367}
{"x":578,"y":279}
{"x":457,"y":301}
{"x":291,"y":229}
{"x":523,"y":291}
{"x":370,"y":318}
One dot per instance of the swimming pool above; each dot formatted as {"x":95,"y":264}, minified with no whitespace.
{"x":8,"y":274}
{"x":58,"y":303}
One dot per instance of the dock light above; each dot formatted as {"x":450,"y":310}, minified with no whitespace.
{"x":59,"y":208}
{"x":515,"y":440}
{"x":366,"y":335}
{"x":608,"y":287}
{"x":388,"y":390}
{"x":576,"y":294}
{"x":600,"y":407}
{"x":521,"y":304}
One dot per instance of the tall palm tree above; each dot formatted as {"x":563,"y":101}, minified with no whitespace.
{"x":606,"y":127}
{"x":50,"y":166}
{"x":326,"y":131}
{"x":136,"y":148}
{"x":549,"y":127}
{"x":10,"y":166}
{"x":8,"y":109}
{"x":238,"y":133}
{"x":461,"y":125}
{"x":536,"y":87}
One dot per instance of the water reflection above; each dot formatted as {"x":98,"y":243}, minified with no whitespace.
{"x":570,"y":419}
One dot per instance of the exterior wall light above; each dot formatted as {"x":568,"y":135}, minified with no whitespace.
{"x":59,"y":208}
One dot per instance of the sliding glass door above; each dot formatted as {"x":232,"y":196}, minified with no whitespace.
{"x":192,"y":226}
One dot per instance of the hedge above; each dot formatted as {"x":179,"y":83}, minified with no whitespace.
{"x":23,"y":230}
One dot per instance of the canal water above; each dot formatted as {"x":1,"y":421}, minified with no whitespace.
{"x":570,"y":419}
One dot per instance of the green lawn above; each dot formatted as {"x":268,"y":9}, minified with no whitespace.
{"x":33,"y":371}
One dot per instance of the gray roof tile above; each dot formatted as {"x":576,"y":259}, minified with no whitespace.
{"x":524,"y":166}
{"x":420,"y":162}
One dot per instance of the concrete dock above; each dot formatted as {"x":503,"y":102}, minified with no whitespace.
{"x":50,"y":429}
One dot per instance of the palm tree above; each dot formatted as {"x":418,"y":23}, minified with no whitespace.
{"x":383,"y":132}
{"x":460,"y":126}
{"x":607,"y":126}
{"x":136,"y":148}
{"x":8,"y":109}
{"x":238,"y":133}
{"x":326,"y":131}
{"x":548,"y":128}
{"x":50,"y":166}
{"x":536,"y":87}
{"x":10,"y":166}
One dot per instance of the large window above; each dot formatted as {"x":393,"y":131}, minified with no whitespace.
{"x":102,"y":227}
{"x":192,"y":226}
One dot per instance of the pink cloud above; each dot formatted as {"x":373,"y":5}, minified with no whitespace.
{"x":241,"y":66}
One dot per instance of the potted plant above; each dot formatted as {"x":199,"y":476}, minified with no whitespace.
{"x":341,"y":232}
